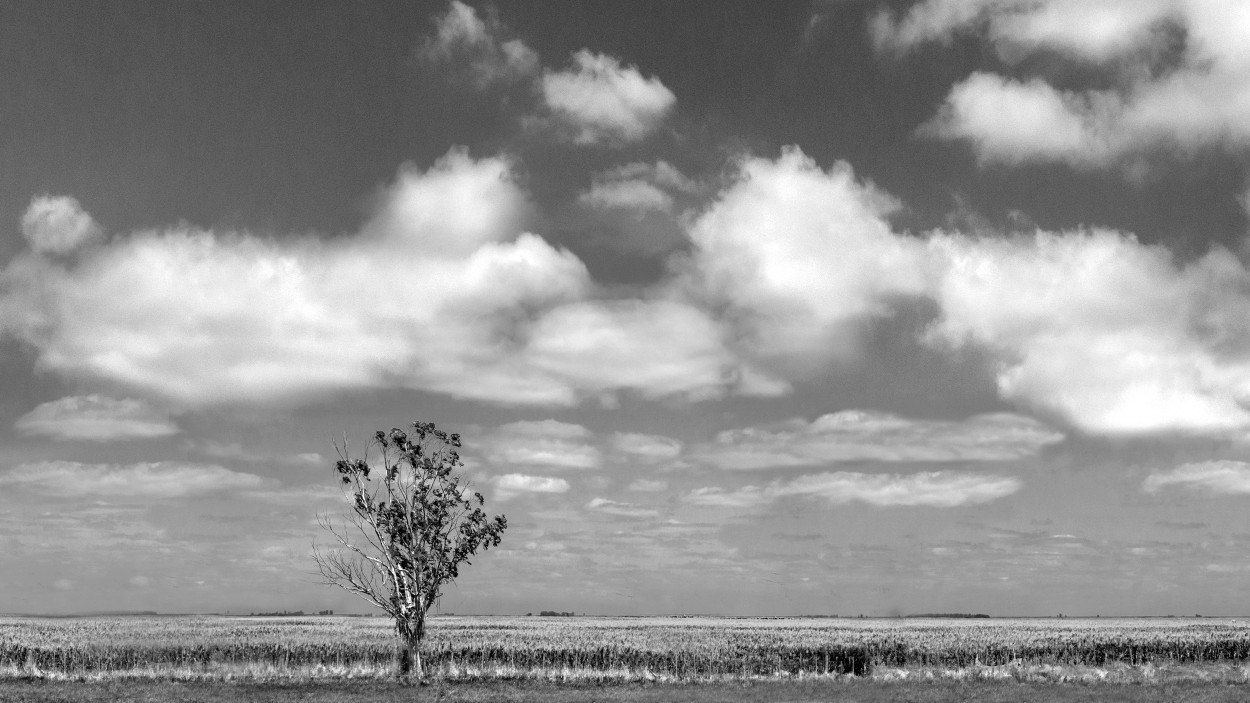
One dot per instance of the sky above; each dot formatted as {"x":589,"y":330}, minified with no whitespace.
{"x":822,"y":307}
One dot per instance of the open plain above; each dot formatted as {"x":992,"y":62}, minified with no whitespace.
{"x":481,"y":658}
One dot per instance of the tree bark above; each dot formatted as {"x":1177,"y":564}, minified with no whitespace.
{"x":410,"y":650}
{"x":406,"y":659}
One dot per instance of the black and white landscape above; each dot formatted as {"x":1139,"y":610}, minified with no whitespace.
{"x":740,"y":308}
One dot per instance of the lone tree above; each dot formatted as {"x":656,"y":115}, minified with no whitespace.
{"x":412,"y":523}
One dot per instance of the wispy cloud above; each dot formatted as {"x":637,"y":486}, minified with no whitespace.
{"x":644,"y":485}
{"x":939,"y":489}
{"x":545,"y":443}
{"x":96,"y":418}
{"x":512,"y":485}
{"x":165,"y":479}
{"x":1221,"y":477}
{"x":619,"y":509}
{"x":856,"y":435}
{"x":236,"y":452}
{"x":646,"y":447}
{"x":478,"y":48}
{"x":638,"y":187}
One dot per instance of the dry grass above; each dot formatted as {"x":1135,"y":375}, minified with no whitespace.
{"x":806,"y":691}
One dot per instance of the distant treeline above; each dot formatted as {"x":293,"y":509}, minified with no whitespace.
{"x":290,"y":613}
{"x":949,"y":615}
{"x":555,"y":614}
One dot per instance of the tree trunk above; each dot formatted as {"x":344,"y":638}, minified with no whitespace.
{"x":407,"y":658}
{"x":411,"y":635}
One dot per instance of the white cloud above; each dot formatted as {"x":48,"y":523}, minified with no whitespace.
{"x":431,"y":295}
{"x":1094,"y":31}
{"x":546,"y":443}
{"x":1227,"y":477}
{"x":140,"y":581}
{"x":628,"y":510}
{"x":656,"y":347}
{"x":602,"y":102}
{"x":512,"y":485}
{"x":938,"y":489}
{"x":639,"y":187}
{"x":63,"y":585}
{"x":1101,"y":330}
{"x":235,"y":451}
{"x":856,"y":435}
{"x":644,"y":485}
{"x":1013,"y":122}
{"x":96,"y":418}
{"x":441,"y":291}
{"x":58,"y":225}
{"x":444,"y":291}
{"x":312,"y":497}
{"x":661,"y":173}
{"x":1201,"y":101}
{"x":633,"y":194}
{"x":478,"y":48}
{"x":164,"y":479}
{"x":747,"y":497}
{"x":646,"y":447}
{"x":800,"y":258}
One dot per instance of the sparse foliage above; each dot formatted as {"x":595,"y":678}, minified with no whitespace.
{"x":412,"y":523}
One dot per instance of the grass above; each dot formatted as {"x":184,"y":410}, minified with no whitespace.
{"x":627,"y":660}
{"x":827,"y":690}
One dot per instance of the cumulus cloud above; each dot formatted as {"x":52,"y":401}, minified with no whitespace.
{"x":546,"y":443}
{"x":1202,"y":100}
{"x":163,"y":479}
{"x":1106,"y":332}
{"x":800,"y":257}
{"x":58,"y":225}
{"x":96,"y":418}
{"x":618,"y":509}
{"x":1224,"y":477}
{"x":512,"y":485}
{"x":599,"y":101}
{"x":478,"y":48}
{"x":442,"y":290}
{"x":856,"y":435}
{"x":1091,"y":326}
{"x":938,"y":489}
{"x":657,"y":347}
{"x":1013,"y":122}
{"x":425,"y":297}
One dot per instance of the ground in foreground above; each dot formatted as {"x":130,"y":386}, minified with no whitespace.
{"x":859,"y":691}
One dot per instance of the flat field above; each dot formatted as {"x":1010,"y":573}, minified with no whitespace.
{"x":627,"y":659}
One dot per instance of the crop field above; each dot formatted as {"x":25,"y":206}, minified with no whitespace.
{"x":665,"y":649}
